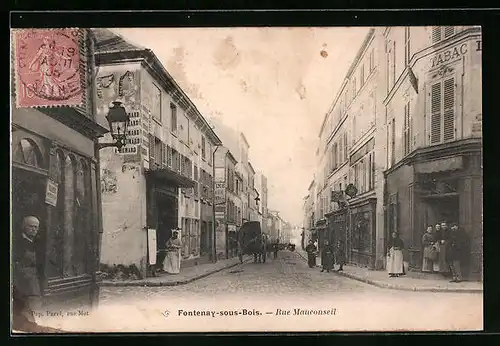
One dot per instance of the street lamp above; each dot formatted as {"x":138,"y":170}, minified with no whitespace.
{"x":118,"y":120}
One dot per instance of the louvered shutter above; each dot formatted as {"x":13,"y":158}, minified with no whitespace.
{"x":163,"y":155}
{"x":436,"y":113}
{"x":152,"y":160}
{"x":449,"y":31}
{"x":449,"y":109}
{"x":436,"y":34}
{"x":169,"y":157}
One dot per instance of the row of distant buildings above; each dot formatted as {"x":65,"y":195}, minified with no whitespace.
{"x":177,"y":170}
{"x":405,"y":130}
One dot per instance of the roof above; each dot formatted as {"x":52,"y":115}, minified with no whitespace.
{"x":113,"y":48}
{"x":107,"y":41}
{"x":251,"y":167}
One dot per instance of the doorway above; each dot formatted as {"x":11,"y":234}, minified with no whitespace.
{"x":28,"y":199}
{"x":167,"y":218}
{"x":443,"y":208}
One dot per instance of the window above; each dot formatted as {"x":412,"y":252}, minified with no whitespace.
{"x":391,"y":64}
{"x":173,"y":117}
{"x":442,"y":111}
{"x":407,"y":45}
{"x":203,"y":148}
{"x":346,"y":154}
{"x":440,"y":33}
{"x":195,"y":178}
{"x":169,"y":157}
{"x":407,"y":130}
{"x":371,"y":170}
{"x":156,"y":103}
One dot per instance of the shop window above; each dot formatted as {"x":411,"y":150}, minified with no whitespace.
{"x":82,"y":221}
{"x":55,"y":244}
{"x":29,"y":152}
{"x":442,"y":126}
{"x":69,"y":216}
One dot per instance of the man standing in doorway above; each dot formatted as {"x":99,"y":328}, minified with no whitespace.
{"x":27,"y":292}
{"x":455,"y":252}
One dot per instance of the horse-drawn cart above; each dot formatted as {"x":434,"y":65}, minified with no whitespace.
{"x":251,"y":241}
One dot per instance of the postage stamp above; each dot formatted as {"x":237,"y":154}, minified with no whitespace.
{"x":47,"y":67}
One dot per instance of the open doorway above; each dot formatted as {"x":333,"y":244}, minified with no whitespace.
{"x":167,"y":220}
{"x":28,"y":199}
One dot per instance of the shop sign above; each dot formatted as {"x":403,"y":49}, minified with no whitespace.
{"x":51,"y":193}
{"x":336,"y":196}
{"x":449,"y":55}
{"x":351,"y":190}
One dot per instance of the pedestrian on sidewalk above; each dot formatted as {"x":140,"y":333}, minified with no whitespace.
{"x":430,"y":254}
{"x":276,"y":247}
{"x":172,"y":264}
{"x":327,"y":257}
{"x":340,"y":255}
{"x":311,"y":254}
{"x":26,"y":274}
{"x":395,"y":266}
{"x":456,"y":245}
{"x":443,"y":236}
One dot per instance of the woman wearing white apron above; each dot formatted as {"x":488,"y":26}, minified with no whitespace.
{"x":172,"y":264}
{"x":395,"y":266}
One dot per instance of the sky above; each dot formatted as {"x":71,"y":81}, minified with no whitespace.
{"x":273,"y":84}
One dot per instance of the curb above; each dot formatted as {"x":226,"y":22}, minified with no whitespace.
{"x":142,"y":283}
{"x":403,"y":288}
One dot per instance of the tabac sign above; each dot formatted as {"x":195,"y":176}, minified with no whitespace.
{"x":449,"y":55}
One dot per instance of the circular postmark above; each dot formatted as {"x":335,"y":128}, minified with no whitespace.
{"x":48,"y":65}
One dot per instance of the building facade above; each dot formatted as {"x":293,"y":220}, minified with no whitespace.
{"x":261,"y":187}
{"x":226,"y":203}
{"x":55,"y":177}
{"x":164,"y":173}
{"x":405,"y":131}
{"x":433,"y":105}
{"x":237,"y":143}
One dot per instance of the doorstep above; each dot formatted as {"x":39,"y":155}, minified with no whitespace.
{"x":420,"y":283}
{"x":186,"y":275}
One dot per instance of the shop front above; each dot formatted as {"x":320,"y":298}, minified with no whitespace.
{"x":440,"y":184}
{"x":338,"y":226}
{"x":361,"y":238}
{"x":162,"y":186}
{"x":321,"y":233}
{"x":55,"y":178}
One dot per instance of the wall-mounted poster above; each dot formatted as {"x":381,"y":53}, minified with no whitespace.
{"x":51,"y":193}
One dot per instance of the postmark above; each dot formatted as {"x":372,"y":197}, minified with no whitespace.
{"x":47,"y":67}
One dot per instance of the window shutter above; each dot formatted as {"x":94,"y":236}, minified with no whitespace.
{"x":449,"y":110}
{"x":163,"y":154}
{"x":449,"y":31}
{"x":436,"y":34}
{"x":436,"y":113}
{"x":169,"y":157}
{"x":151,"y":150}
{"x":183,"y":165}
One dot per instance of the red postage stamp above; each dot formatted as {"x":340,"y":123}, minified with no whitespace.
{"x":47,"y":67}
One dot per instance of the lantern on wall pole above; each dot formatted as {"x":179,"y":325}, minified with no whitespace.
{"x":118,"y":120}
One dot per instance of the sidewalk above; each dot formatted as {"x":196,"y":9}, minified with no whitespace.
{"x":381,"y":279}
{"x":186,"y":275}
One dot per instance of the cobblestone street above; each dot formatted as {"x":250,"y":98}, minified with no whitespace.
{"x":285,"y":284}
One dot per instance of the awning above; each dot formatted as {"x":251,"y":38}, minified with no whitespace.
{"x":441,"y":165}
{"x":170,"y":177}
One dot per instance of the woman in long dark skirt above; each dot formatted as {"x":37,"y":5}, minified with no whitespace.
{"x":311,"y":254}
{"x":327,"y":257}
